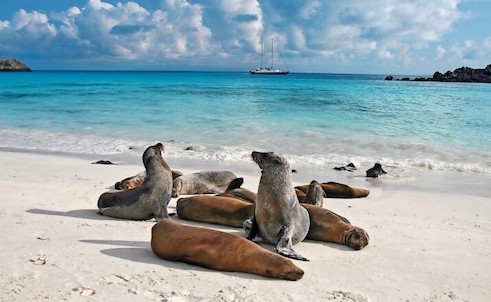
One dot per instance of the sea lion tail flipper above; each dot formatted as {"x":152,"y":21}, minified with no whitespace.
{"x":235,"y":184}
{"x":284,"y":246}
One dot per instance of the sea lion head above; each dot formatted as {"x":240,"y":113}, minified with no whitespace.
{"x":153,"y":151}
{"x":269,"y":160}
{"x":315,"y":194}
{"x":176,"y":187}
{"x":356,"y":238}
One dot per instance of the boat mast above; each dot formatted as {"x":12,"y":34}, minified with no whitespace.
{"x":272,"y":47}
{"x":262,"y":52}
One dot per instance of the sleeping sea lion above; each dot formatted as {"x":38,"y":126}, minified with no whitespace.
{"x":218,"y":250}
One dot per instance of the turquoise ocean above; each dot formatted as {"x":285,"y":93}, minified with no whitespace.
{"x":322,"y":120}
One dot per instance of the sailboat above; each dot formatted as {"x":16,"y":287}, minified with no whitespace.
{"x":268,"y":70}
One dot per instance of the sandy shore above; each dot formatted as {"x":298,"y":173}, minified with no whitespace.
{"x":430,"y":241}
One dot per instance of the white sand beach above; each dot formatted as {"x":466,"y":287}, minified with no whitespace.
{"x":430,"y":239}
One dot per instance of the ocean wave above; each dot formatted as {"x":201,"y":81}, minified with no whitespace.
{"x":93,"y":144}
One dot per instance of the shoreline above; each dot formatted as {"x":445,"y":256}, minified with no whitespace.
{"x":425,"y":245}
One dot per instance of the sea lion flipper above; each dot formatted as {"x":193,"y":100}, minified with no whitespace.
{"x":235,"y":184}
{"x":284,"y":246}
{"x":253,"y":228}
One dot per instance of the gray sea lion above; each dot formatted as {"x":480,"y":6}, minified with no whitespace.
{"x":206,"y":182}
{"x":222,"y":210}
{"x":148,"y":200}
{"x":278,"y":216}
{"x":338,"y":190}
{"x":218,"y":250}
{"x":328,"y":226}
{"x":135,"y":181}
{"x":315,"y":194}
{"x":375,"y":171}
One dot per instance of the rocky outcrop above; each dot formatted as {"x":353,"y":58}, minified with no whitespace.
{"x":463,"y":74}
{"x":12,"y":65}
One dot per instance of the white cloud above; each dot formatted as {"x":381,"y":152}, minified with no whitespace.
{"x":213,"y":30}
{"x":440,"y":52}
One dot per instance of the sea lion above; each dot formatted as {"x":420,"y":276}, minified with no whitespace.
{"x":315,"y":194}
{"x":206,"y":182}
{"x":325,"y":225}
{"x":222,"y":210}
{"x":135,"y":181}
{"x":278,"y":216}
{"x":235,"y":190}
{"x":218,"y":250}
{"x":338,"y":190}
{"x":328,"y":226}
{"x":375,"y":171}
{"x":148,"y":200}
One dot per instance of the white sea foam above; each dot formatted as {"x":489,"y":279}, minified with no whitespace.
{"x":91,"y":144}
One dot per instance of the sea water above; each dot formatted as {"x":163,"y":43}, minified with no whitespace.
{"x":321,"y":120}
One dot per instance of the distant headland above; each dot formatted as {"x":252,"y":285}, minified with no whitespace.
{"x":12,"y":65}
{"x":463,"y":74}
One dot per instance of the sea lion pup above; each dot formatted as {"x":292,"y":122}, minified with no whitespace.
{"x":222,"y":210}
{"x":315,"y":194}
{"x":278,"y":216}
{"x":338,"y":190}
{"x":135,"y":181}
{"x":218,"y":250}
{"x":328,"y":226}
{"x":206,"y":182}
{"x":234,"y":190}
{"x":375,"y":171}
{"x":146,"y":201}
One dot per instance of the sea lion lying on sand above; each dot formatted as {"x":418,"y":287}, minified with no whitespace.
{"x":148,"y":200}
{"x":206,"y":182}
{"x":218,"y":250}
{"x":135,"y":181}
{"x":328,"y":226}
{"x":222,"y":210}
{"x":338,"y":190}
{"x":325,"y":225}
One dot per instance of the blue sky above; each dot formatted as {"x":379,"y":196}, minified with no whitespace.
{"x":413,"y":37}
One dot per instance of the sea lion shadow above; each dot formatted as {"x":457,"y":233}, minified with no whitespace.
{"x":81,"y":213}
{"x":332,"y":245}
{"x":145,"y":255}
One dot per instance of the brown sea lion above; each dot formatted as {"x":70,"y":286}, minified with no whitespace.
{"x":278,"y":216}
{"x":135,"y":181}
{"x":325,"y":225}
{"x":328,"y":226}
{"x":235,"y":190}
{"x":222,"y":210}
{"x":148,"y":200}
{"x":338,"y":190}
{"x":218,"y":250}
{"x":206,"y":182}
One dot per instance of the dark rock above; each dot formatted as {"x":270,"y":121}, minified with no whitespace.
{"x":389,"y":78}
{"x":190,"y":148}
{"x":103,"y":162}
{"x":375,"y":171}
{"x":349,"y":167}
{"x":405,"y":79}
{"x":462,"y":74}
{"x":12,"y":65}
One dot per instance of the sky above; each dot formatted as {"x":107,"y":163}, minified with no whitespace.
{"x":405,"y":37}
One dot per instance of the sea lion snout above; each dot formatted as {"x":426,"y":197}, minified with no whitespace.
{"x":357,"y":238}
